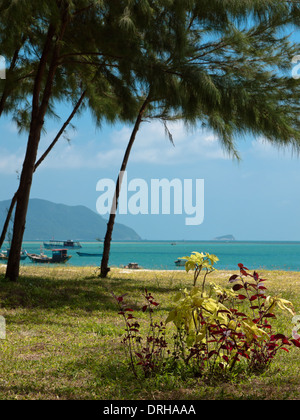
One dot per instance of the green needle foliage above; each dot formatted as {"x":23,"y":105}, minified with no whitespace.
{"x":223,"y":64}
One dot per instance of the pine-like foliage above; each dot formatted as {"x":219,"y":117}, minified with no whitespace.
{"x":223,"y":63}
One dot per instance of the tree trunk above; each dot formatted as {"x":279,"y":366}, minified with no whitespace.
{"x":39,"y":109}
{"x":41,"y":159}
{"x":13,"y":264}
{"x":110,"y":225}
{"x":8,"y":217}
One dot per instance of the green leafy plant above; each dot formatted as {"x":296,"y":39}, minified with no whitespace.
{"x":199,"y":261}
{"x":219,"y":330}
{"x":215,"y":327}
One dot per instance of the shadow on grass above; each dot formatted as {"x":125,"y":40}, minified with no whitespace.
{"x":84,"y":293}
{"x":31,"y":292}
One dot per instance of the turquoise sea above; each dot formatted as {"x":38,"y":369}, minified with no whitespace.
{"x":162,"y":254}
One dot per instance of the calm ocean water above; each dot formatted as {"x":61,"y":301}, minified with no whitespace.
{"x":162,"y":254}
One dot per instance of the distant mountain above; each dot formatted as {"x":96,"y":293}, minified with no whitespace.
{"x":47,"y":220}
{"x":225,"y":238}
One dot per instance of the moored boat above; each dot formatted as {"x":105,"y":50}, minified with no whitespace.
{"x":180,"y":263}
{"x":89,"y":254}
{"x":133,"y":266}
{"x":58,"y":256}
{"x":5,"y":254}
{"x":69,"y":244}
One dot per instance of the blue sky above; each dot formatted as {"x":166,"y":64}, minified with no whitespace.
{"x":256,"y":199}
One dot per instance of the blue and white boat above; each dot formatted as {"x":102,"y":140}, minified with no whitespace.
{"x":52,"y":244}
{"x":5,"y":254}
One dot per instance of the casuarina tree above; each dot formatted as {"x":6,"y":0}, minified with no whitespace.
{"x":218,"y":63}
{"x":64,"y":59}
{"x":227,"y":66}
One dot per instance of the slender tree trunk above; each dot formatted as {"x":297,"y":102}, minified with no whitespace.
{"x":13,"y":264}
{"x":8,"y":217}
{"x":110,"y":225}
{"x":41,"y":159}
{"x":39,"y":109}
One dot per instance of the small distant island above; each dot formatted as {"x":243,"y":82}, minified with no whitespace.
{"x":225,"y":238}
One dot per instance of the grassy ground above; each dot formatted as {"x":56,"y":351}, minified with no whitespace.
{"x":63,"y":338}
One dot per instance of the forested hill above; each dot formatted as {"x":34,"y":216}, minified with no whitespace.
{"x":47,"y":220}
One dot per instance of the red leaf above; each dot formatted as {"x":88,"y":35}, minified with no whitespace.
{"x":254,"y":297}
{"x":237,"y":287}
{"x":211,"y":353}
{"x":255,"y":275}
{"x":296,"y":342}
{"x":240,"y":265}
{"x":144,"y":308}
{"x":271,"y":346}
{"x":244,"y":354}
{"x":283,"y":348}
{"x":254,"y":307}
{"x":277,"y":337}
{"x":233,"y":278}
{"x":120,"y":299}
{"x":244,"y":272}
{"x":139,"y":355}
{"x":241,"y":297}
{"x":129,"y":310}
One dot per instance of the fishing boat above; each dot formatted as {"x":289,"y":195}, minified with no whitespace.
{"x":133,"y":266}
{"x":5,"y":254}
{"x":89,"y":254}
{"x":52,"y":244}
{"x":180,"y":263}
{"x":58,"y":256}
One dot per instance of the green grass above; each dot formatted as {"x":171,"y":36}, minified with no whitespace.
{"x":64,"y":333}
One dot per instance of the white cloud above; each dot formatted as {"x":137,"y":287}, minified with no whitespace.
{"x":10,"y":163}
{"x":151,"y":146}
{"x":262,"y":148}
